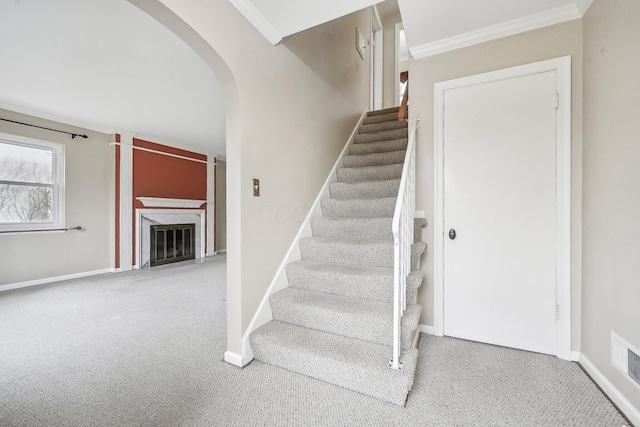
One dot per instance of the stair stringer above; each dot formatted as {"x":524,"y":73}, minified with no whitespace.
{"x":263,"y":313}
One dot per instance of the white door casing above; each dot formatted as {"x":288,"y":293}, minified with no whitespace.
{"x":469,"y":101}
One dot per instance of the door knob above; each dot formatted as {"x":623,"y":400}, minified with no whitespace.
{"x":452,"y":234}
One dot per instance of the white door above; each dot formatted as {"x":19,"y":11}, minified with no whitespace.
{"x":500,"y":198}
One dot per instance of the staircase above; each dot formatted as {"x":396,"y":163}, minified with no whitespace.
{"x":334,"y":322}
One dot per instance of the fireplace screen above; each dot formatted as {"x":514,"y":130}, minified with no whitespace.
{"x":172,"y":243}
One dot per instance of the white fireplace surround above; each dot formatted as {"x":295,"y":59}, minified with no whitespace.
{"x":147,"y":217}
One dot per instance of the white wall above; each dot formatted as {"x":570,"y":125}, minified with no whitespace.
{"x":88,"y":175}
{"x":550,"y":42}
{"x":611,"y":167}
{"x":290,"y":109}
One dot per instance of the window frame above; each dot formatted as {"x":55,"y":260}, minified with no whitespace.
{"x":58,"y":188}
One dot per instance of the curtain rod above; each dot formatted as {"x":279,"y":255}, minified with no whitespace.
{"x":73,"y":135}
{"x":36,"y":231}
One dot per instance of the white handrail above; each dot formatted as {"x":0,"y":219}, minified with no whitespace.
{"x":402,"y":227}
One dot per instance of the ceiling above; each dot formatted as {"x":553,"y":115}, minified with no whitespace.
{"x":431,"y":26}
{"x":106,"y":65}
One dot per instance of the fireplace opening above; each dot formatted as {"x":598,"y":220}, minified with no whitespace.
{"x":172,"y":243}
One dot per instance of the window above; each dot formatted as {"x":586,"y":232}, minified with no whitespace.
{"x":31,"y":184}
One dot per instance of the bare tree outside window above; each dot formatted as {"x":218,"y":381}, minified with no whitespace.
{"x":26,"y":184}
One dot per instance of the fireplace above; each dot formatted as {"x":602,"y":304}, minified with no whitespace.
{"x":148,"y":217}
{"x":172,"y":243}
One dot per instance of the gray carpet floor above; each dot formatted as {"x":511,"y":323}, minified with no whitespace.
{"x":145,"y":348}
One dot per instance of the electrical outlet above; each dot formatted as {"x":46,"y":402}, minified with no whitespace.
{"x":256,"y":187}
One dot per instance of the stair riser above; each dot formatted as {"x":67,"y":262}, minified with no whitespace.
{"x":374,"y":159}
{"x":371,"y":173}
{"x":359,"y":208}
{"x":379,"y":147}
{"x":372,"y":285}
{"x":392,"y":117}
{"x":352,"y":228}
{"x":384,"y":111}
{"x":373,"y":254}
{"x":364,"y":190}
{"x":382,"y":126}
{"x":381,"y":136}
{"x":363,"y":326}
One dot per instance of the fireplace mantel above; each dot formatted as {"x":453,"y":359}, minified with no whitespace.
{"x":161,"y":202}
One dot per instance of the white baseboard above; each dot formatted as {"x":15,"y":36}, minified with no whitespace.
{"x":575,"y":356}
{"x":426,"y":329}
{"x":235,"y":359}
{"x":54,"y":279}
{"x":631,"y":412}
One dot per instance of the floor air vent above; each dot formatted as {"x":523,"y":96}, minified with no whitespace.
{"x":625,"y":358}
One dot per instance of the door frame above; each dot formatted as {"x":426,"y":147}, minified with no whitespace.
{"x":562,"y":67}
{"x":376,"y":61}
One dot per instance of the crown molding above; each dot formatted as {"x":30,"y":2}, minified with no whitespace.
{"x":249,"y":11}
{"x":532,"y":22}
{"x":583,"y":6}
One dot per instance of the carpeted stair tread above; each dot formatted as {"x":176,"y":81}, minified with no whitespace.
{"x":371,"y":283}
{"x":386,"y":135}
{"x":370,"y":173}
{"x":359,"y":318}
{"x":354,"y":364}
{"x":379,"y":147}
{"x":374,"y":253}
{"x":352,"y":228}
{"x":383,"y":111}
{"x":364,"y":189}
{"x":382,"y":126}
{"x":374,"y":159}
{"x":389,"y":117}
{"x":382,"y":207}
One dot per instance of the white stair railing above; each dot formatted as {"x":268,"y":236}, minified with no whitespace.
{"x":403,"y":229}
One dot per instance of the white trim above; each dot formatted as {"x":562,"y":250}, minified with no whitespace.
{"x":180,"y":145}
{"x":46,"y":280}
{"x":263,"y":314}
{"x":583,"y":6}
{"x":520,"y":25}
{"x":141,"y":212}
{"x":126,"y":202}
{"x":562,"y":67}
{"x":248,"y":10}
{"x":161,"y":202}
{"x":575,"y":356}
{"x":376,"y":61}
{"x":425,"y":329}
{"x":611,"y":391}
{"x":396,"y":88}
{"x":211,"y":208}
{"x":57,"y":151}
{"x":235,"y":359}
{"x":164,"y":153}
